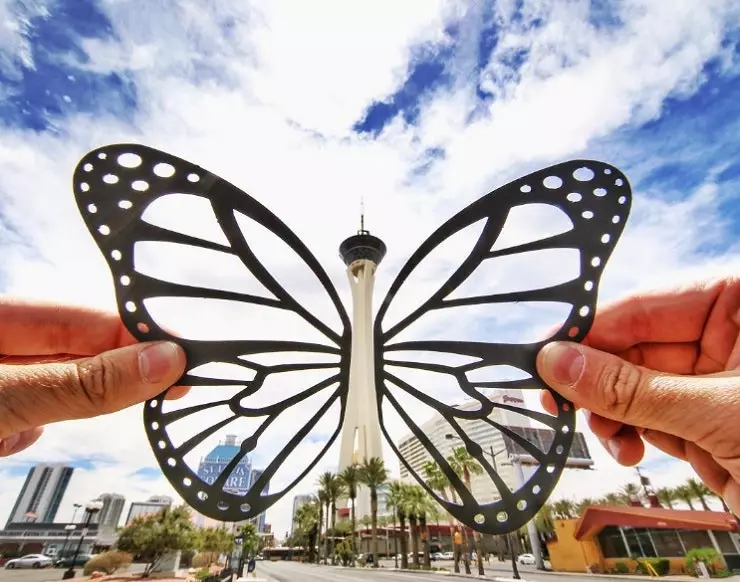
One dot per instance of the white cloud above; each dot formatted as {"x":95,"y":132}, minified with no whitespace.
{"x":268,"y":102}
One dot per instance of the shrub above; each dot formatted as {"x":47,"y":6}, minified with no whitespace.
{"x":661,"y":566}
{"x":709,"y":556}
{"x":205,"y":559}
{"x":621,"y":568}
{"x":343,"y":552}
{"x":108,"y":562}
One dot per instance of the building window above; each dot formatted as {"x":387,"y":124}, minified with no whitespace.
{"x":639,"y":542}
{"x":725,"y":542}
{"x":612,"y":544}
{"x":666,"y":542}
{"x":693,"y":539}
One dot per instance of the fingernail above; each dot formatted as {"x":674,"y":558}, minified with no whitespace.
{"x":157,"y":361}
{"x":8,"y":444}
{"x":613,"y":446}
{"x":564,"y":361}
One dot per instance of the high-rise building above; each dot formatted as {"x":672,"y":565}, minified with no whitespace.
{"x":298,"y":502}
{"x":152,"y":505}
{"x":489,"y":438}
{"x":240,"y":480}
{"x":110,"y":514}
{"x":495,"y":444}
{"x":259,"y":521}
{"x":41,"y":494}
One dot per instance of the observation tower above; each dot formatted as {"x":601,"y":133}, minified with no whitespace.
{"x":361,"y":436}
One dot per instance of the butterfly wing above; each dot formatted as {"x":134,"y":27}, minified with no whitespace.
{"x":129,"y":195}
{"x":433,"y":373}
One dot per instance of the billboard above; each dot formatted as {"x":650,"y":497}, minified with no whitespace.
{"x":237,"y":483}
{"x":542,"y":438}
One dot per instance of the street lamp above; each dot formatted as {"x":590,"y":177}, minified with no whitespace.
{"x":70,"y":527}
{"x":509,"y":540}
{"x":90,"y":510}
{"x":74,"y":513}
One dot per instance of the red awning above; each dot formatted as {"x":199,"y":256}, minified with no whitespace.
{"x":597,"y":517}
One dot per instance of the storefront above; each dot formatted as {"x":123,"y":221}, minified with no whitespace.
{"x":606,"y":535}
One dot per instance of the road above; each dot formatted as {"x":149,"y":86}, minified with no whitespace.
{"x":295,"y":571}
{"x":47,"y":574}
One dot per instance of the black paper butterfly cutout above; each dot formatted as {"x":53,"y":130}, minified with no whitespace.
{"x":114,"y":186}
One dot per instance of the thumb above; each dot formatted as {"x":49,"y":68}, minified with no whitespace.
{"x":35,"y":395}
{"x":690,"y":407}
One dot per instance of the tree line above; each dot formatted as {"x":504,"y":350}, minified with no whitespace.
{"x":693,"y":493}
{"x":409,"y":504}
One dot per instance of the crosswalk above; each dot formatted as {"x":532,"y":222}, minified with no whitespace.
{"x":295,"y":571}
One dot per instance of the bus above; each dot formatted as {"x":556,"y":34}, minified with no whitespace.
{"x":280,"y":553}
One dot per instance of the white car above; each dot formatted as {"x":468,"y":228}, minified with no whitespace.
{"x":526,"y":559}
{"x":30,"y":561}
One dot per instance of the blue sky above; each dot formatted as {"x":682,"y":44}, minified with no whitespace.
{"x":309,"y":112}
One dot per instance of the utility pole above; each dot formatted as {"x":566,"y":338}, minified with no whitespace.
{"x":508,"y":537}
{"x":534,"y":538}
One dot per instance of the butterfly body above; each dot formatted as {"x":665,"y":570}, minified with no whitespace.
{"x":118,"y":186}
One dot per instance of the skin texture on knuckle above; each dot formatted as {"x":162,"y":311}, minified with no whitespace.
{"x":618,"y":386}
{"x":96,"y":379}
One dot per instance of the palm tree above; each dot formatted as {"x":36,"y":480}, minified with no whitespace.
{"x":306,"y":517}
{"x":438,"y":481}
{"x":563,"y":509}
{"x":396,"y":498}
{"x":465,"y":465}
{"x":613,"y":499}
{"x":631,"y":492}
{"x":685,"y":494}
{"x":374,"y":475}
{"x":581,"y":506}
{"x":323,"y":500}
{"x":700,"y":492}
{"x":417,"y":503}
{"x":543,"y":519}
{"x":464,"y":528}
{"x":667,"y":496}
{"x":335,"y":491}
{"x":351,"y":478}
{"x":332,"y":487}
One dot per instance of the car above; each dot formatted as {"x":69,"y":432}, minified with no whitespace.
{"x":66,"y":562}
{"x":526,"y":559}
{"x":30,"y":561}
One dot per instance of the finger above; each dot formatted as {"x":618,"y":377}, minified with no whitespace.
{"x":36,"y":395}
{"x":548,"y":402}
{"x":668,"y":443}
{"x":33,"y":328}
{"x":20,"y":441}
{"x":626,"y":447}
{"x":47,"y":359}
{"x":613,"y":388}
{"x":604,"y":428}
{"x":707,"y":469}
{"x":673,"y":358}
{"x":176,"y":392}
{"x":676,"y":315}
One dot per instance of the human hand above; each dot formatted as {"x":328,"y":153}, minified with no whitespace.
{"x":63,"y":363}
{"x":661,"y":368}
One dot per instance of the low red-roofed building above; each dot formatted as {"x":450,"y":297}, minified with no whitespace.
{"x":605,"y":535}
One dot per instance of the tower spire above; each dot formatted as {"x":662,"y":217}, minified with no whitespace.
{"x":362,"y":216}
